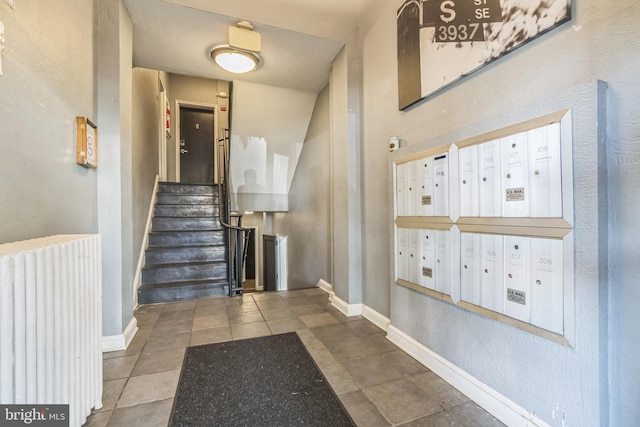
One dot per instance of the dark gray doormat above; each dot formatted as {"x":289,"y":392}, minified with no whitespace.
{"x":267,"y":381}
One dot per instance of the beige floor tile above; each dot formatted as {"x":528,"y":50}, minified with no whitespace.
{"x":119,"y":367}
{"x":111,"y":391}
{"x":179,"y":306}
{"x":315,"y":292}
{"x":371,"y":370}
{"x":210,"y":336}
{"x":378,"y":383}
{"x":339,"y":379}
{"x":168,"y":360}
{"x":277,"y":313}
{"x":263,"y":296}
{"x":172,"y":326}
{"x":149,"y":388}
{"x":154,"y":414}
{"x":307,"y":309}
{"x":401,"y":401}
{"x":245,"y":307}
{"x":241,"y":318}
{"x":319,"y":319}
{"x":167,"y":342}
{"x":299,"y":300}
{"x":362,"y":411}
{"x":249,"y":330}
{"x":281,"y":326}
{"x":212,"y":321}
{"x":441,"y":390}
{"x":271,"y":303}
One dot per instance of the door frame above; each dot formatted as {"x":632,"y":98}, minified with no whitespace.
{"x":200,"y":106}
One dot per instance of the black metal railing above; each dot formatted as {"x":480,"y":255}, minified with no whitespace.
{"x":237,"y":236}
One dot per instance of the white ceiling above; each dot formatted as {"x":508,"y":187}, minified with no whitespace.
{"x":300,"y":38}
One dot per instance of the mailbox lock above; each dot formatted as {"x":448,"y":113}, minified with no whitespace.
{"x":465,"y":266}
{"x":516,"y":247}
{"x":464,"y":181}
{"x":538,"y":282}
{"x":486,"y":270}
{"x":508,"y":175}
{"x":536,"y":172}
{"x":513,"y":145}
{"x":484,"y":179}
{"x":510,"y":276}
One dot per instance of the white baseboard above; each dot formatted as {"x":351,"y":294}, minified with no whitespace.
{"x":495,"y":403}
{"x":122,"y":341}
{"x":347,"y":309}
{"x":325,"y":286}
{"x":376,"y":318}
{"x":137,"y":280}
{"x":350,"y":310}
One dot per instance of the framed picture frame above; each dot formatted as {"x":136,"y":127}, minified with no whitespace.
{"x":440,"y":42}
{"x":86,"y":143}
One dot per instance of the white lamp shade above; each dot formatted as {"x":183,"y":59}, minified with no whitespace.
{"x":235,"y":61}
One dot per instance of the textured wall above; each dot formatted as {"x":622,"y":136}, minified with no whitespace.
{"x":562,"y":386}
{"x":145,"y":155}
{"x":48,"y":80}
{"x":307,"y":222}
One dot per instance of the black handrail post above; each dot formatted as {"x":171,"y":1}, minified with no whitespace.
{"x":238,"y":245}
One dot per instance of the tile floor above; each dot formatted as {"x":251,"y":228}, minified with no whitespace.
{"x":378,"y":383}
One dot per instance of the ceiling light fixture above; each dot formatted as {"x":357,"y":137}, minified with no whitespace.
{"x":235,"y":60}
{"x":241,"y":55}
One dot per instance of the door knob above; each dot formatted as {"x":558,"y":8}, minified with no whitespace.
{"x":182,"y":151}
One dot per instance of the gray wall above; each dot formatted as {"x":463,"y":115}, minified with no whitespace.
{"x":49,"y":71}
{"x":308,"y":220}
{"x":558,"y":69}
{"x":146,"y":136}
{"x":114,"y":97}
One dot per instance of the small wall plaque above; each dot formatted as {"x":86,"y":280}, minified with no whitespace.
{"x":86,"y":143}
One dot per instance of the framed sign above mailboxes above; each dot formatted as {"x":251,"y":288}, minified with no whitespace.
{"x":442,"y":41}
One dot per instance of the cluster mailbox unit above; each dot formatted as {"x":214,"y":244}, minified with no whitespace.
{"x":487,"y":224}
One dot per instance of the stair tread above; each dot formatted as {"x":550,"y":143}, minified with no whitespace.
{"x":214,"y":282}
{"x":183,"y":264}
{"x":207,"y":246}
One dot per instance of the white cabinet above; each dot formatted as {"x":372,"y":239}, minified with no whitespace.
{"x":441,"y":185}
{"x":545,"y":171}
{"x":491,"y":272}
{"x":489,"y":180}
{"x":427,"y":258}
{"x":402,"y":189}
{"x":515,"y":185}
{"x":402,"y":254}
{"x":488,"y":222}
{"x":425,"y":167}
{"x":516,"y":278}
{"x":546,"y":284}
{"x":469,"y":199}
{"x":470,"y":268}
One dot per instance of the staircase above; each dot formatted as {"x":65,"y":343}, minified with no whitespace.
{"x":187,"y":253}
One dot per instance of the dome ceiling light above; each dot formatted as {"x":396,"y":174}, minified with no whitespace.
{"x":242,"y":54}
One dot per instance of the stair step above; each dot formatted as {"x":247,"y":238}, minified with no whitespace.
{"x":192,"y":224}
{"x":186,"y":238}
{"x":175,"y":210}
{"x":186,"y":199}
{"x":166,"y":292}
{"x":183,"y":272}
{"x":179,"y":188}
{"x":175,"y":255}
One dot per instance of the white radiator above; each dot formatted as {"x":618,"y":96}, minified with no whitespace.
{"x":51,"y":323}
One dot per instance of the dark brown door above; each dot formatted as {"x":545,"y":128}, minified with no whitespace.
{"x":196,"y":146}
